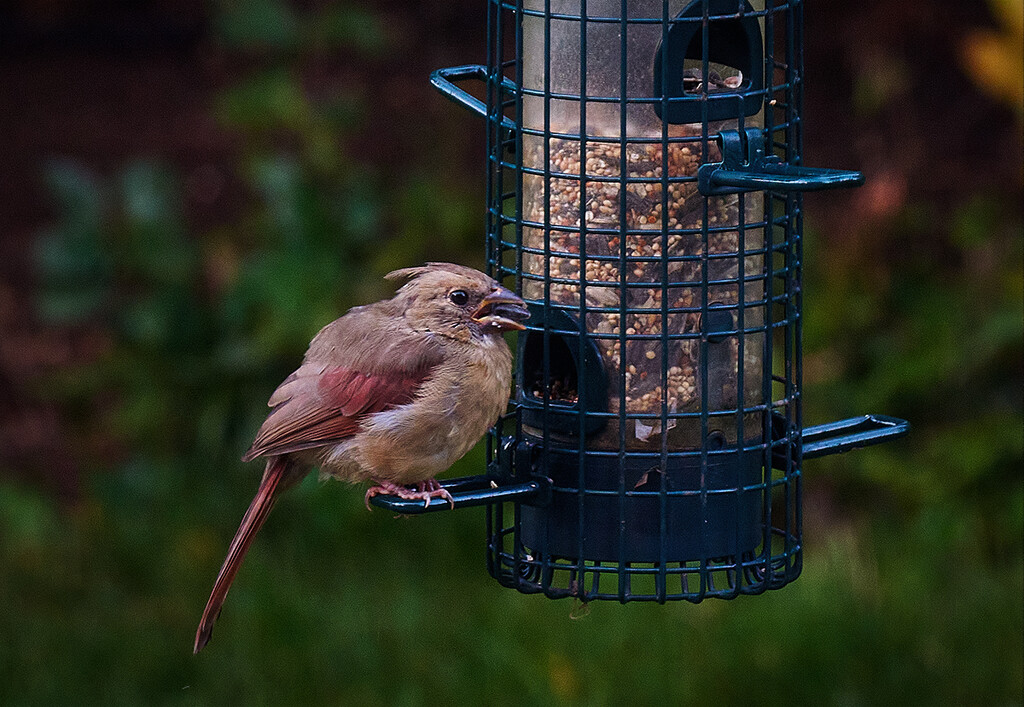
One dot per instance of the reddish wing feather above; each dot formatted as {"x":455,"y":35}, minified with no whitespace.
{"x":330,"y":407}
{"x":355,"y":394}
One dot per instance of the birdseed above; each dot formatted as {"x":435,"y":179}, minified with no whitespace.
{"x":603,"y":211}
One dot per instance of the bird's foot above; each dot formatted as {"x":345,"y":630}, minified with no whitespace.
{"x":425,"y":490}
{"x":433,"y":489}
{"x":383,"y":488}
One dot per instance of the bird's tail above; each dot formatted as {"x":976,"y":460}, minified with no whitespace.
{"x":279,"y":476}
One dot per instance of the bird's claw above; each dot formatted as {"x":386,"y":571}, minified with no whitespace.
{"x":425,"y":490}
{"x":432,"y":488}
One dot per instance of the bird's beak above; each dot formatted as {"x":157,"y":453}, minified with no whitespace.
{"x":503,"y":310}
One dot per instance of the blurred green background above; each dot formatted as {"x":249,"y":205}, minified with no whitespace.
{"x":192,"y":189}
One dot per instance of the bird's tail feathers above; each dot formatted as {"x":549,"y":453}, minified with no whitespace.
{"x":279,"y":476}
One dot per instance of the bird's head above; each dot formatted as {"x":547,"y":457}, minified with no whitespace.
{"x":458,"y":302}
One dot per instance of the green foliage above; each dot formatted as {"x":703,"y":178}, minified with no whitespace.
{"x":935,"y":336}
{"x":274,"y":25}
{"x":77,"y":265}
{"x":337,"y":605}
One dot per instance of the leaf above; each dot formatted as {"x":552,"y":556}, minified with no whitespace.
{"x":70,"y":307}
{"x":270,"y":99}
{"x":26,"y":519}
{"x":77,"y":190}
{"x":257,"y":24}
{"x":75,"y":267}
{"x":350,"y":26}
{"x":995,"y":60}
{"x":153,"y":232}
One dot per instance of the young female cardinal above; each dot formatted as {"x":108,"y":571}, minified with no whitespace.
{"x":393,"y":392}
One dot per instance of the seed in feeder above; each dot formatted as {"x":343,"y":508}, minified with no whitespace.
{"x":677,"y":205}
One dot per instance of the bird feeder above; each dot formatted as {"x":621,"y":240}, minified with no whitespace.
{"x":644,"y":195}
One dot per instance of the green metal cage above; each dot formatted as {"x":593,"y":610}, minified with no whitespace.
{"x":644,"y":196}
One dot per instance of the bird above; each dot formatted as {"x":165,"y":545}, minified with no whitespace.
{"x":392,"y":393}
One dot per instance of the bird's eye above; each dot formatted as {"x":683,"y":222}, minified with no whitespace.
{"x":458,"y":297}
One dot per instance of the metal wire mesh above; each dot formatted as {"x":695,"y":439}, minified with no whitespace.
{"x":658,"y":384}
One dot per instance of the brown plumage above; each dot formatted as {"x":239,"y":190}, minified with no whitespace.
{"x":392,"y":393}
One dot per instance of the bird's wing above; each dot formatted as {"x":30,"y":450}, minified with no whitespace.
{"x":319,"y":405}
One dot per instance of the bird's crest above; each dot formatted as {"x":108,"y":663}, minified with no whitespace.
{"x":415,"y":272}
